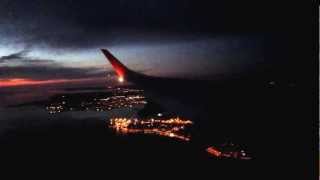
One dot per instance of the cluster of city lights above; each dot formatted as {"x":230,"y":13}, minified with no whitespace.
{"x":172,"y":128}
{"x":120,"y":98}
{"x":114,"y":102}
{"x":54,"y":108}
{"x":229,"y":151}
{"x":126,"y":91}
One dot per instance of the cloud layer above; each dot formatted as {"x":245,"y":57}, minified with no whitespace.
{"x":19,"y":65}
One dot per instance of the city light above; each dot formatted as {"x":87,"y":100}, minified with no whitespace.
{"x":228,"y":151}
{"x":120,"y":98}
{"x":213,"y":151}
{"x":172,"y":127}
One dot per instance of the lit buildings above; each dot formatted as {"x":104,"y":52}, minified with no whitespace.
{"x":172,"y":127}
{"x":228,"y":151}
{"x":117,"y":98}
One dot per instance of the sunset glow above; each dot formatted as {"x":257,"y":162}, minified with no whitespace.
{"x":27,"y":82}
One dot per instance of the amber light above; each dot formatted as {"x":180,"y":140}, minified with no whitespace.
{"x":121,"y":79}
{"x":213,"y":151}
{"x":172,"y":128}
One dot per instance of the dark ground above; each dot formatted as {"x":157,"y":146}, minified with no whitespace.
{"x":266,"y":122}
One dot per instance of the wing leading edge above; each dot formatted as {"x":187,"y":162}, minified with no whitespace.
{"x":146,"y":81}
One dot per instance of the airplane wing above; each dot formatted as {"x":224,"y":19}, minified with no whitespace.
{"x":157,"y":83}
{"x":195,"y":95}
{"x":201,"y":93}
{"x":168,"y":91}
{"x":226,"y":108}
{"x":119,"y":68}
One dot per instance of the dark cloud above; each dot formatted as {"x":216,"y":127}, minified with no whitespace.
{"x":18,"y":65}
{"x":74,"y":24}
{"x":22,"y":58}
{"x":82,"y":24}
{"x":15,"y":56}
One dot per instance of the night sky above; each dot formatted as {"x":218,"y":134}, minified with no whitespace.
{"x":43,"y":42}
{"x":50,"y":47}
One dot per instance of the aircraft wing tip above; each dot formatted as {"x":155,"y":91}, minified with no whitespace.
{"x":104,"y":50}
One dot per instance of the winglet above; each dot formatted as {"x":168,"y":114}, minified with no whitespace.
{"x":120,"y":69}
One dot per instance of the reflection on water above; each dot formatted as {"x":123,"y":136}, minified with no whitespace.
{"x":173,"y":128}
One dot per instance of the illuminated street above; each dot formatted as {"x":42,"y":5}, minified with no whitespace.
{"x":228,"y":151}
{"x":172,"y":128}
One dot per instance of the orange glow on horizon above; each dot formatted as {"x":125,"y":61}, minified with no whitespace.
{"x":26,"y":82}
